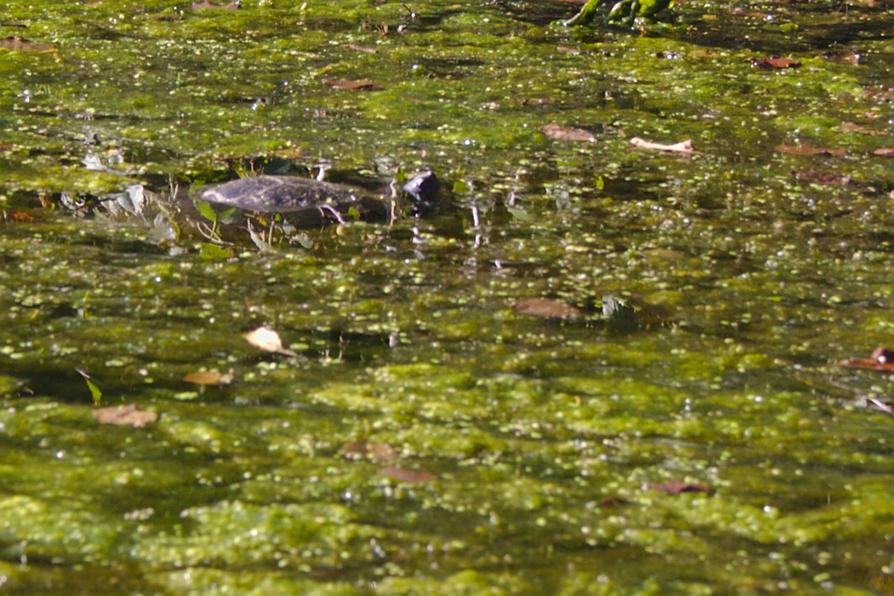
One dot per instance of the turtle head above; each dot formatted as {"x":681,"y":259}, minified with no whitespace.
{"x":424,"y":188}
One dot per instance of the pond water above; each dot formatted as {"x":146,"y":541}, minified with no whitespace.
{"x":432,"y":432}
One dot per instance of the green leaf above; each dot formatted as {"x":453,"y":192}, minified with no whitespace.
{"x":95,"y":391}
{"x":460,"y":187}
{"x":214,"y":252}
{"x":8,"y":384}
{"x":586,"y":14}
{"x":600,"y":183}
{"x":206,"y":211}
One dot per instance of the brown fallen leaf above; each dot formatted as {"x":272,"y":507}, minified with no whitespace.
{"x":208,"y":377}
{"x":408,"y":476}
{"x":19,"y":44}
{"x":681,"y":147}
{"x":775,"y":62}
{"x":810,"y":150}
{"x":128,"y":415}
{"x":268,"y":340}
{"x":22,"y":217}
{"x":206,"y":5}
{"x":381,"y":453}
{"x":824,"y":178}
{"x":851,"y":127}
{"x":546,"y":308}
{"x":563,"y":133}
{"x":676,"y":487}
{"x":353,"y":85}
{"x":884,"y":152}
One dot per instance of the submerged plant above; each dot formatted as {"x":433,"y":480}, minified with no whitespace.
{"x":624,"y":11}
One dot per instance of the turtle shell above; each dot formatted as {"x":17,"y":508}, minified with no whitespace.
{"x":280,"y":194}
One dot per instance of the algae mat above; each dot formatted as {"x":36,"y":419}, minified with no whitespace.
{"x":449,"y":411}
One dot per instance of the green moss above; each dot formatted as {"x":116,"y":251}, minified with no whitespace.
{"x":528,"y":451}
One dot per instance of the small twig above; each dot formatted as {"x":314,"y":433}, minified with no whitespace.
{"x":333,"y":211}
{"x":209,"y":233}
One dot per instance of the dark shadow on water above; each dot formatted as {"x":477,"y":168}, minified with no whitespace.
{"x":736,"y":32}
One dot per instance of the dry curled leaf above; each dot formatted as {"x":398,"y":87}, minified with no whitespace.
{"x":563,"y":133}
{"x":546,"y":308}
{"x":19,"y":44}
{"x":128,"y":415}
{"x":408,"y":476}
{"x":810,"y":150}
{"x":353,"y":85}
{"x":676,"y":487}
{"x":378,"y":452}
{"x":268,"y":340}
{"x":775,"y":62}
{"x":208,"y":377}
{"x":884,"y":152}
{"x":681,"y":147}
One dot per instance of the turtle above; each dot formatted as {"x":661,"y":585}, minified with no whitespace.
{"x":265,"y":209}
{"x":292,"y":197}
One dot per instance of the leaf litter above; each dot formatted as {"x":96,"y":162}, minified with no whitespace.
{"x":129,"y":415}
{"x":268,"y":340}
{"x":681,"y":147}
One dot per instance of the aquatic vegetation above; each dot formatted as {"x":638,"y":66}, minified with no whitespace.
{"x":608,"y":364}
{"x":625,"y":11}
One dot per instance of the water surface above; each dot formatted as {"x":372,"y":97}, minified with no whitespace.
{"x":428,"y":437}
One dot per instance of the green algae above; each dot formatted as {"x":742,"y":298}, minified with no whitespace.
{"x":530,"y":449}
